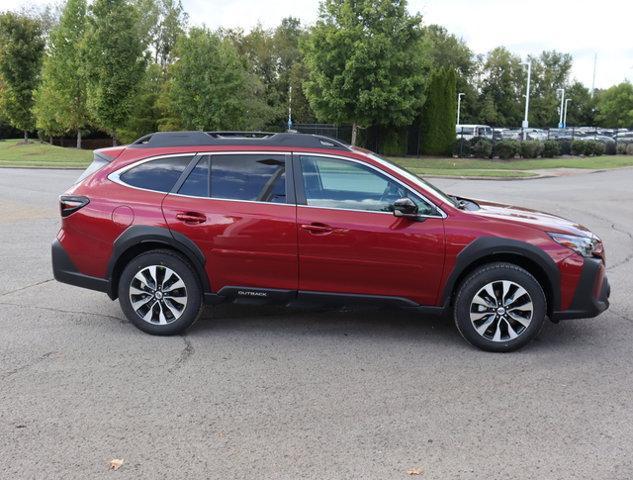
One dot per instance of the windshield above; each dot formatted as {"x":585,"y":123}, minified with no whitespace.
{"x":416,"y":179}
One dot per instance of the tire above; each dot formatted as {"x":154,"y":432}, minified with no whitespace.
{"x":159,"y":293}
{"x":500,"y":307}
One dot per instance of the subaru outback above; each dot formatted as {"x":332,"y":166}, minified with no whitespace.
{"x":177,"y":220}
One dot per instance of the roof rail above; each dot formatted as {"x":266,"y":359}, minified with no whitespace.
{"x":270,"y":139}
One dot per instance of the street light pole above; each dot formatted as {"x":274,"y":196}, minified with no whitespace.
{"x":562,"y":105}
{"x":459,"y":105}
{"x":525,"y":124}
{"x":565,"y":114}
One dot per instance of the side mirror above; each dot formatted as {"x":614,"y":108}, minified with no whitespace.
{"x":405,"y":207}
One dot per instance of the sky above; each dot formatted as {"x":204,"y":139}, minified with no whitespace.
{"x":582,"y":28}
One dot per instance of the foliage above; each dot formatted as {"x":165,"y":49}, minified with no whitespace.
{"x":581,"y":107}
{"x":61,"y":99}
{"x":365,"y":63}
{"x":531,"y":148}
{"x":161,"y":23}
{"x":480,"y":147}
{"x":551,"y":149}
{"x":114,"y":62}
{"x":502,"y":89}
{"x":615,"y":106}
{"x":448,"y":51}
{"x":438,"y":114}
{"x":144,"y":108}
{"x":550,"y":71}
{"x":394,"y":141}
{"x":218,"y":93}
{"x":593,"y":147}
{"x":578,"y":147}
{"x":507,"y":149}
{"x":21,"y":50}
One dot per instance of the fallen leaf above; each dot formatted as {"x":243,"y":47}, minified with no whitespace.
{"x":116,"y":463}
{"x":415,"y":471}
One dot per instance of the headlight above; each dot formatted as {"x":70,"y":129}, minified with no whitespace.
{"x":585,"y":246}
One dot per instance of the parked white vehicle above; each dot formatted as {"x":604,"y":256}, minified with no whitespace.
{"x":468,"y":132}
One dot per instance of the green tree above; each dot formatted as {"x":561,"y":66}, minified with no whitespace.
{"x":365,"y":63}
{"x":438,"y":114}
{"x":61,"y":101}
{"x":114,"y":62}
{"x":161,"y":23}
{"x":615,"y":106}
{"x":145,"y":107}
{"x":218,"y":93}
{"x":21,"y":50}
{"x":550,"y":71}
{"x":448,"y":51}
{"x":581,"y":107}
{"x":501,"y":98}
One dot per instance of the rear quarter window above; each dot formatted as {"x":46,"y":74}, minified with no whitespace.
{"x":159,"y":175}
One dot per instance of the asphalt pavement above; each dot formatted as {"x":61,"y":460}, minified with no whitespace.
{"x":275,"y":393}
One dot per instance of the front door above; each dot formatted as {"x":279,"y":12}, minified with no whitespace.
{"x":350,"y":242}
{"x":236,"y":208}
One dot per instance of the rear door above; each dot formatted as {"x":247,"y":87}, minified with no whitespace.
{"x":238,"y":207}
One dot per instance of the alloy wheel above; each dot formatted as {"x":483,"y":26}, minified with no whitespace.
{"x":501,"y":311}
{"x":158,"y":295}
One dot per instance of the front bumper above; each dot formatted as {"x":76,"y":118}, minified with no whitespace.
{"x":592,"y":293}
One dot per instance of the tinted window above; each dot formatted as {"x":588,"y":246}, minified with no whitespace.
{"x":197,"y":183}
{"x":259,"y":178}
{"x":333,"y":183}
{"x":160,"y":174}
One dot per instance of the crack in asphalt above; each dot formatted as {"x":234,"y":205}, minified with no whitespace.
{"x":629,"y":257}
{"x":620,"y":315}
{"x":27,"y":286}
{"x":17,"y":370}
{"x":59,"y":310}
{"x":185,"y":355}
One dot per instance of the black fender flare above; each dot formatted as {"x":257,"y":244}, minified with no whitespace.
{"x":139,"y":234}
{"x":490,"y":246}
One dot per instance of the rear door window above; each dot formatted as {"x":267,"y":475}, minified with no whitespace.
{"x":259,"y":178}
{"x":160,"y":174}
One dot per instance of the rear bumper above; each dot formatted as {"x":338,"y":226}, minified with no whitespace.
{"x":592,"y":293}
{"x":64,"y":271}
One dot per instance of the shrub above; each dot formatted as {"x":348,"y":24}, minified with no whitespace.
{"x":629,"y":149}
{"x":609,"y":148}
{"x":578,"y":147}
{"x":621,"y":149}
{"x":531,"y":148}
{"x":597,"y":148}
{"x":551,"y":149}
{"x":565,"y":147}
{"x":506,"y":149}
{"x":481,"y":147}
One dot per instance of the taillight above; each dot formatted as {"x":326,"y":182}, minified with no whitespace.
{"x":71,"y":203}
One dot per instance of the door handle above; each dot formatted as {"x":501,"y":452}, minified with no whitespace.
{"x":317,"y":228}
{"x":191,"y":217}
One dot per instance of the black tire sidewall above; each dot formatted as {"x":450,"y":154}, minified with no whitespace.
{"x":483,"y":276}
{"x":186,"y":273}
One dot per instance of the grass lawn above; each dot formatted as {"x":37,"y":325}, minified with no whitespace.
{"x":14,"y":153}
{"x":505,"y":168}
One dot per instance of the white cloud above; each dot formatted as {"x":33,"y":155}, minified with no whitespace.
{"x":579,"y":27}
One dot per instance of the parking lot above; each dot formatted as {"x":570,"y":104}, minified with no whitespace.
{"x":274,"y":393}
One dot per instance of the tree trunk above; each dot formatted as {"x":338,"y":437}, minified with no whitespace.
{"x":78,"y":139}
{"x":50,"y":139}
{"x":26,"y":136}
{"x":114,"y":144}
{"x":354,"y":133}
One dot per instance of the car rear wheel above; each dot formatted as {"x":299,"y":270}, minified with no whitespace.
{"x":500,"y":307}
{"x":160,"y":293}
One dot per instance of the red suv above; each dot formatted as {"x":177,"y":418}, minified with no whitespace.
{"x":176,"y":220}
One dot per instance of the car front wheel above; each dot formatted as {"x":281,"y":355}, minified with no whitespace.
{"x":160,"y":293}
{"x":500,"y":307}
